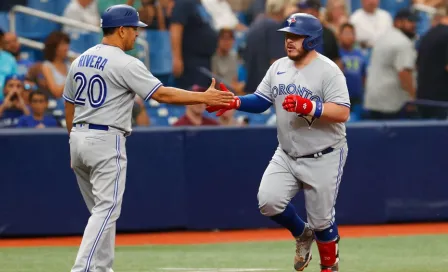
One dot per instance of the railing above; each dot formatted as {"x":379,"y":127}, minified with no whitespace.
{"x":64,"y":21}
{"x":40,"y":46}
{"x":427,"y":9}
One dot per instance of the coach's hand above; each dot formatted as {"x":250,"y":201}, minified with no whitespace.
{"x":300,"y":105}
{"x":235,"y":104}
{"x":214,"y":97}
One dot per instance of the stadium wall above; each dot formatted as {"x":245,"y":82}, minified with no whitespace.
{"x":208,"y":179}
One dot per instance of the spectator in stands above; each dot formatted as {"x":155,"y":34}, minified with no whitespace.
{"x":330,"y":47}
{"x":56,"y":66}
{"x":28,"y":87}
{"x":85,"y":11}
{"x":431,"y":3}
{"x":167,"y":10}
{"x":139,"y":115}
{"x":240,"y":5}
{"x":432,"y":68}
{"x":194,"y":114}
{"x":38,"y":117}
{"x":102,"y":5}
{"x":225,"y":61}
{"x":228,"y":119}
{"x":8,"y":65}
{"x":256,"y":10}
{"x":370,"y":22}
{"x":335,"y":15}
{"x":222,"y":14}
{"x":12,"y":45}
{"x":152,"y":13}
{"x":36,"y":76}
{"x":354,"y":63}
{"x":264,"y":45}
{"x":193,"y":42}
{"x":390,"y":77}
{"x":13,"y":106}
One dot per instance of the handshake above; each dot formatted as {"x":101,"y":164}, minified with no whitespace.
{"x":292,"y":103}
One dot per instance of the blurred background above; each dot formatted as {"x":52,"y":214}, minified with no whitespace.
{"x":394,"y":54}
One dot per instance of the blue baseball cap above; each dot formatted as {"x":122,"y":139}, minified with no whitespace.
{"x":14,"y":76}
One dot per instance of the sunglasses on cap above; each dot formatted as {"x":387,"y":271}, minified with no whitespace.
{"x":29,"y":87}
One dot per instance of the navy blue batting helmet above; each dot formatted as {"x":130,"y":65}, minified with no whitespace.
{"x":305,"y":25}
{"x":121,"y":15}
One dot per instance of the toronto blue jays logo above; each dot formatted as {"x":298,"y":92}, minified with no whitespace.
{"x":309,"y":119}
{"x":291,"y":20}
{"x":284,"y":90}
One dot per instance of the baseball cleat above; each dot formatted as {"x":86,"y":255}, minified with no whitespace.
{"x":334,"y":268}
{"x":303,"y":249}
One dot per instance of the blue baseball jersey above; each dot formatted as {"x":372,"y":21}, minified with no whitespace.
{"x":28,"y":121}
{"x":10,"y":118}
{"x":354,"y":70}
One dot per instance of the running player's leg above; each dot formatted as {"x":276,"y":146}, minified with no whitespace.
{"x":107,"y":158}
{"x":278,"y":186}
{"x":323,"y":176}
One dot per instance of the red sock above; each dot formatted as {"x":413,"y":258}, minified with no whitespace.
{"x":329,"y":252}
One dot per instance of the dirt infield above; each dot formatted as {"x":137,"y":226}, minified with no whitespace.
{"x":234,"y":236}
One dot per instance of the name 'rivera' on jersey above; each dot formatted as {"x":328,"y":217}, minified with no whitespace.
{"x":92,"y":61}
{"x":304,"y":92}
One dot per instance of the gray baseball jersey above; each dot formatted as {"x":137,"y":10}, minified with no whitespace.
{"x":320,"y":177}
{"x":102,"y":84}
{"x":321,"y":80}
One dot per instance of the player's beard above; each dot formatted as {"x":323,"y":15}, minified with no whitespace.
{"x":301,"y":54}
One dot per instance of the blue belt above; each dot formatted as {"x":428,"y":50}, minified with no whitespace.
{"x":94,"y":126}
{"x":317,"y":155}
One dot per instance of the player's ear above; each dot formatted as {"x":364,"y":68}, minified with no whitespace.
{"x":121,"y":31}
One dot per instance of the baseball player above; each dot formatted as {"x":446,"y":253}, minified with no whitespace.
{"x":312,"y":104}
{"x":99,"y":96}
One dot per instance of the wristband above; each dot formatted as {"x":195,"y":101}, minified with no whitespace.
{"x":318,"y":109}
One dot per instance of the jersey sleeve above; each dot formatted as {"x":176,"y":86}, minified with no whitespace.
{"x":264,"y":89}
{"x":405,"y":58}
{"x":335,"y":90}
{"x":69,"y":88}
{"x":140,"y":80}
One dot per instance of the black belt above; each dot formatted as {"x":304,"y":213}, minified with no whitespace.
{"x":318,"y":154}
{"x":94,"y":126}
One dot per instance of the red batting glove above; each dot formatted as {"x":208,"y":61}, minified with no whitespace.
{"x":235,"y":104}
{"x":300,"y":105}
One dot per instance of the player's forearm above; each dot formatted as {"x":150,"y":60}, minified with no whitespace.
{"x":176,"y":31}
{"x":334,"y":113}
{"x":253,"y":103}
{"x":171,"y":95}
{"x":407,"y":82}
{"x":2,"y":109}
{"x":69,"y":114}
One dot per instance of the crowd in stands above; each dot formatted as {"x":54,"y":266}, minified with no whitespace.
{"x":390,"y":57}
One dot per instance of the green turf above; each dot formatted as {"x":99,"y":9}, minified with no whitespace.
{"x":392,"y":254}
